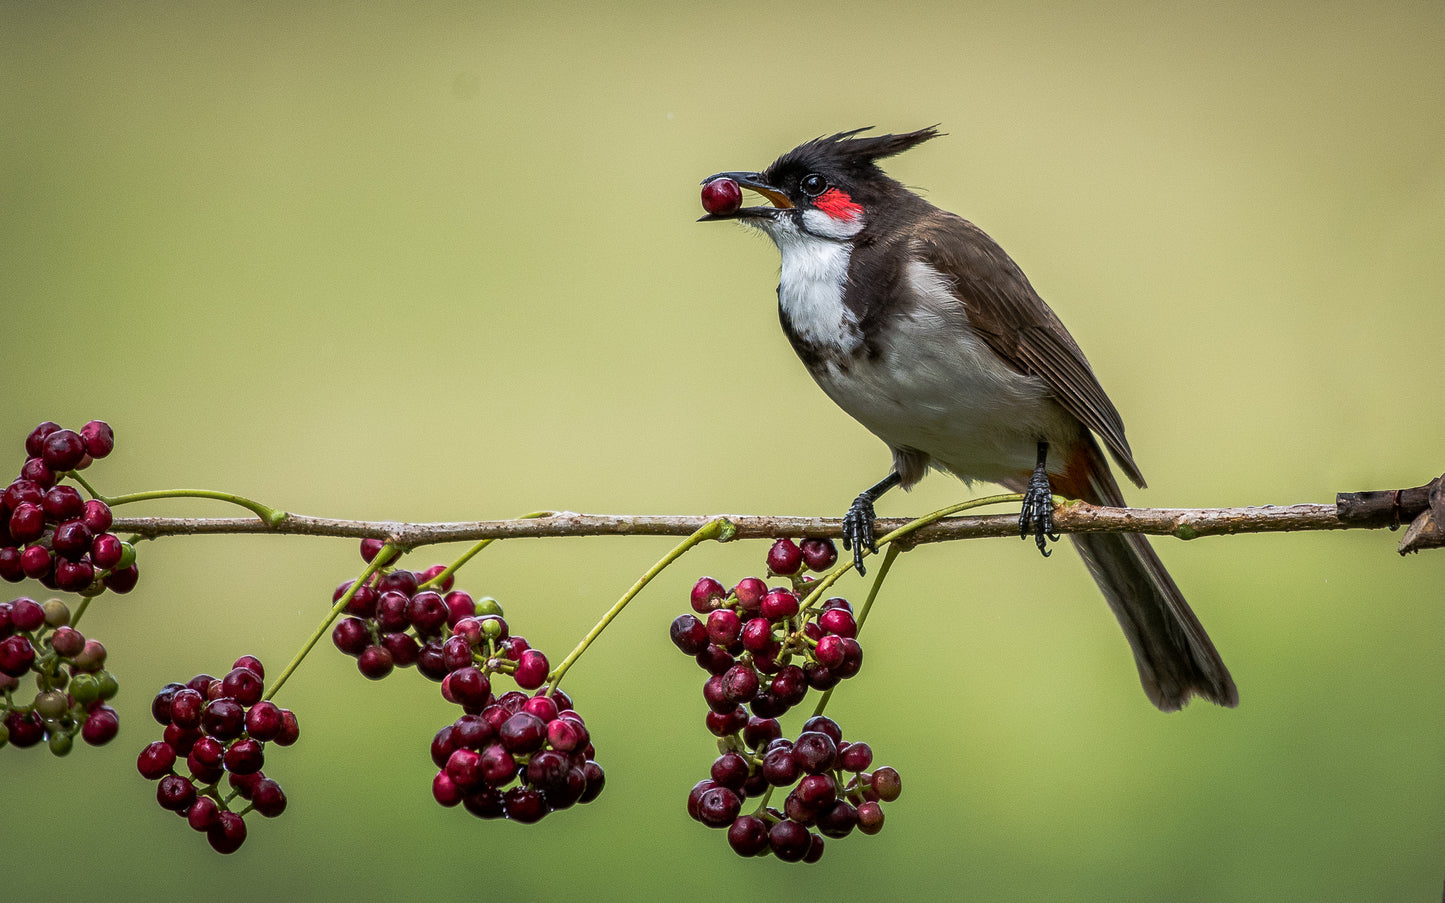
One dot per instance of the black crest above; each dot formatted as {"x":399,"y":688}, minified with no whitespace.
{"x":846,"y":152}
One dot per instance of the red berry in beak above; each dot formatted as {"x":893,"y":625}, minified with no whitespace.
{"x":722,"y":196}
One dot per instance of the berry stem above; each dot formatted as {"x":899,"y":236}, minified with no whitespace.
{"x":888,"y":559}
{"x":384,"y":557}
{"x":472,"y":552}
{"x":720,"y":529}
{"x":271,"y":517}
{"x":79,"y":610}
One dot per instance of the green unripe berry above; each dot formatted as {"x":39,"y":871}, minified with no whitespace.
{"x":51,"y":704}
{"x":57,"y":614}
{"x":60,"y":744}
{"x":85,"y":688}
{"x":486,"y":605}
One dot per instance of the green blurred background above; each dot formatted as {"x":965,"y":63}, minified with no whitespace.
{"x":431,"y":261}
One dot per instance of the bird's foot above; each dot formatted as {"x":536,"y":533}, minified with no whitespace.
{"x":858,"y":529}
{"x":1037,"y":516}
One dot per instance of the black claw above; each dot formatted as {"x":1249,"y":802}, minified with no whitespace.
{"x":858,"y":530}
{"x":1037,"y":516}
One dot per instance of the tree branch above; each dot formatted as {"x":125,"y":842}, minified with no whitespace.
{"x":1361,"y":510}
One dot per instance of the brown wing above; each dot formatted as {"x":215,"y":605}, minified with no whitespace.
{"x":1015,"y":322}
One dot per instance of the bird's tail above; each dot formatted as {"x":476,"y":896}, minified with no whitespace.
{"x":1175,"y":658}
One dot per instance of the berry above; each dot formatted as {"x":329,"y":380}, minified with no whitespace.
{"x":707,"y":594}
{"x":721,"y":197}
{"x":98,"y":438}
{"x":63,"y":450}
{"x":779,"y":604}
{"x":375,"y":662}
{"x":819,"y":554}
{"x":97,"y":516}
{"x":785,"y":558}
{"x":227,"y":833}
{"x":689,"y":634}
{"x":532,"y":670}
{"x":748,"y":835}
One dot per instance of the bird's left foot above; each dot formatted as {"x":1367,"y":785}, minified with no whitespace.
{"x":1037,"y":516}
{"x":858,"y":529}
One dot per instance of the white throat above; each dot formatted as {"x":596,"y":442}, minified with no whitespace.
{"x":810,"y":286}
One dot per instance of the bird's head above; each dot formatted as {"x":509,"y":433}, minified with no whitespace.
{"x":828,"y":188}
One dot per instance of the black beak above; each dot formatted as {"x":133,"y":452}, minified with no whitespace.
{"x":752,"y":181}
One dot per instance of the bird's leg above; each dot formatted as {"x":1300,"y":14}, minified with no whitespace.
{"x":858,"y":522}
{"x":1037,"y":516}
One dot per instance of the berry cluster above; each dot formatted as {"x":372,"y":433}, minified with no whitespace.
{"x":72,"y":685}
{"x":220,"y":727}
{"x":519,"y":757}
{"x":824,"y":798}
{"x":392,"y":622}
{"x":48,"y":532}
{"x":511,"y":755}
{"x":754,"y":633}
{"x":514,"y":755}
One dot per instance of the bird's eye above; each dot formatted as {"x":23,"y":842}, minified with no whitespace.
{"x":813,"y":185}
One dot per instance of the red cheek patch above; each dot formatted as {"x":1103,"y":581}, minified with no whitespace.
{"x":838,"y":205}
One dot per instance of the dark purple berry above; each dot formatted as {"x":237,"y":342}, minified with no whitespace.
{"x":16,"y":656}
{"x":227,"y":834}
{"x":245,"y":757}
{"x":375,"y":662}
{"x":722,"y":197}
{"x":175,"y":793}
{"x":838,"y":621}
{"x":351,"y":635}
{"x":263,"y":721}
{"x":26,"y":614}
{"x":524,"y":805}
{"x":689,"y":634}
{"x":789,"y":840}
{"x":785,"y":558}
{"x":819,"y":554}
{"x":63,"y":450}
{"x":106,"y":551}
{"x":203,"y":813}
{"x":101,"y":726}
{"x":62,"y":503}
{"x":98,"y":437}
{"x":815,"y":752}
{"x":748,"y":835}
{"x":243,"y":685}
{"x":155,"y":760}
{"x":186,"y":706}
{"x":267,"y":798}
{"x":222,"y":718}
{"x":27,"y":522}
{"x":718,"y":806}
{"x":35,"y":442}
{"x":523,"y":733}
{"x":837,"y":820}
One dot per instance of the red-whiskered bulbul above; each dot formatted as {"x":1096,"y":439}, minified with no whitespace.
{"x":920,"y":327}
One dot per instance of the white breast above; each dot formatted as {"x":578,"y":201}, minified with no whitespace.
{"x":936,"y":387}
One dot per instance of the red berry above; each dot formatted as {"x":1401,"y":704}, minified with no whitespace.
{"x":98,"y":437}
{"x":779,"y":604}
{"x":819,"y":554}
{"x":707,"y":593}
{"x":97,"y":516}
{"x":35,"y":442}
{"x":227,"y":833}
{"x":722,"y":196}
{"x":532,"y":669}
{"x":63,"y":450}
{"x":749,"y":593}
{"x":784,"y":558}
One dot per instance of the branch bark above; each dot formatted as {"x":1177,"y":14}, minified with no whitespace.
{"x":1359,"y":510}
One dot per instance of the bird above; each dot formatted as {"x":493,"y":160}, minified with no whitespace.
{"x":920,"y":327}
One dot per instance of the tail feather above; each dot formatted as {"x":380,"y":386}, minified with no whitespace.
{"x":1175,"y":657}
